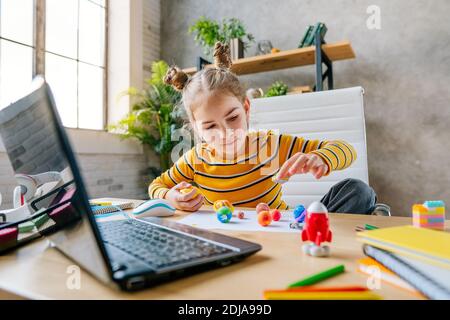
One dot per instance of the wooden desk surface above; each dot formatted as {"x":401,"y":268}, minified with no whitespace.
{"x":39,"y":271}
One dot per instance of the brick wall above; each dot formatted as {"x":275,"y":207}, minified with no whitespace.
{"x":105,"y":175}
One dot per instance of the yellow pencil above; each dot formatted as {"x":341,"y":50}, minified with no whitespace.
{"x":339,"y":295}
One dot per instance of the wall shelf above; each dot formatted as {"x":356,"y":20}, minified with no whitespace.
{"x":289,"y":59}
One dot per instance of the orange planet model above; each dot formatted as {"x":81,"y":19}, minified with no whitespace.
{"x":264,"y":218}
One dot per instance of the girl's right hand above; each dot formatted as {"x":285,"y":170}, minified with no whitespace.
{"x":185,"y":202}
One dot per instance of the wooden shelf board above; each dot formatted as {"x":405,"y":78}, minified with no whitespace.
{"x":287,"y":59}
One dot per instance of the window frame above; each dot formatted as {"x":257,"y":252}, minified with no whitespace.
{"x":39,"y":51}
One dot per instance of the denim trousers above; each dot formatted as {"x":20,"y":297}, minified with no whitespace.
{"x":350,"y":196}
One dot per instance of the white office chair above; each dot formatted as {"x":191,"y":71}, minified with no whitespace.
{"x":333,"y":114}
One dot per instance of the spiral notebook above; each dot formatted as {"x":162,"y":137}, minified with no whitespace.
{"x":431,"y":280}
{"x":116,"y":206}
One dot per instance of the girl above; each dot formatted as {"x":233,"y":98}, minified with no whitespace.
{"x":234,"y":164}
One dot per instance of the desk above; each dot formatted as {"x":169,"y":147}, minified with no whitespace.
{"x":38,"y":271}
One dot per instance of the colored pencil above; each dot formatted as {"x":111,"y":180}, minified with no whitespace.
{"x":318,"y":277}
{"x":320,"y":289}
{"x":339,"y":295}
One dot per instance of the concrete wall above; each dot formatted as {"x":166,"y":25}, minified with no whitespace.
{"x":151,"y":34}
{"x":404,"y":68}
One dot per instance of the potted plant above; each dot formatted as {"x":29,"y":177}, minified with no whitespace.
{"x":152,"y":118}
{"x":231,"y":31}
{"x":278,"y":88}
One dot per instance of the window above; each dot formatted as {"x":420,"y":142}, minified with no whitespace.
{"x":16,"y":48}
{"x":73,"y":62}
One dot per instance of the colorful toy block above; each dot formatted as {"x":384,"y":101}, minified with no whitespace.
{"x":430,"y":214}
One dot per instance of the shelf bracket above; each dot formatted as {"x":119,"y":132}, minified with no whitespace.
{"x":201,"y":63}
{"x":322,"y":58}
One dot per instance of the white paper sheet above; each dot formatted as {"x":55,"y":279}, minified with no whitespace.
{"x":206,"y":219}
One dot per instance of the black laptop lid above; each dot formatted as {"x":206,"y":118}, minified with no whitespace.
{"x":39,"y":151}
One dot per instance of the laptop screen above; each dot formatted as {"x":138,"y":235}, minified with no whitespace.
{"x":50,"y":183}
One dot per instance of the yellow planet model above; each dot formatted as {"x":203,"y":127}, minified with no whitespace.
{"x":222,"y":203}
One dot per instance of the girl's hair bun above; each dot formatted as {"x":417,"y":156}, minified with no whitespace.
{"x":222,"y":56}
{"x":176,"y":78}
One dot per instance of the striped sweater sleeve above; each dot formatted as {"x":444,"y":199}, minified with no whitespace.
{"x":182,"y":170}
{"x":337,"y":154}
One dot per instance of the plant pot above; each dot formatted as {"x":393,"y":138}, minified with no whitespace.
{"x":236,"y":49}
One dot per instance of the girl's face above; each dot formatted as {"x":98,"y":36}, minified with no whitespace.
{"x":221,"y":120}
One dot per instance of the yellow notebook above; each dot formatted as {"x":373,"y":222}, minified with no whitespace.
{"x":430,"y":246}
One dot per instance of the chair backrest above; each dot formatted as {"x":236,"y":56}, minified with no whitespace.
{"x":332,"y":114}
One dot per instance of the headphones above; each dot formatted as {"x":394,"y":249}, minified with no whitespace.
{"x":30,"y":186}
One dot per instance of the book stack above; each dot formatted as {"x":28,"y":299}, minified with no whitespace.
{"x":430,"y":214}
{"x":419,"y":256}
{"x":309,"y":36}
{"x":372,"y":268}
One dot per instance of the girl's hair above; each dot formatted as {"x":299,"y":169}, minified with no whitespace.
{"x":208,"y":79}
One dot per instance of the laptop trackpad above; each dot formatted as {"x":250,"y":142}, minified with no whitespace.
{"x":122,"y":261}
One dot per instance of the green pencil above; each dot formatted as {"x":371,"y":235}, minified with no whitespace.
{"x":369,"y":227}
{"x":318,"y":277}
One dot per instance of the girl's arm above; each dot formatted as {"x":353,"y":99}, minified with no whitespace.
{"x":168,"y":185}
{"x":315,"y":156}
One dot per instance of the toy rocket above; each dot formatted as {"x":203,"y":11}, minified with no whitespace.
{"x":316,"y":230}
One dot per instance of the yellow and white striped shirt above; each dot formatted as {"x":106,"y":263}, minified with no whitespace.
{"x":247,"y":180}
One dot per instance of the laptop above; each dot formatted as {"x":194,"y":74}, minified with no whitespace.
{"x":130,"y":253}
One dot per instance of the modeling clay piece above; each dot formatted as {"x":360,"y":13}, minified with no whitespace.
{"x":241,"y":215}
{"x":316,"y":230}
{"x":187,"y":190}
{"x":223,"y":203}
{"x":430,"y":214}
{"x":277,"y":179}
{"x":264,"y":218}
{"x":262,"y":207}
{"x":224,"y":214}
{"x":276,"y":215}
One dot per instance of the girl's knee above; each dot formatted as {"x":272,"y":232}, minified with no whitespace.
{"x":364,"y":196}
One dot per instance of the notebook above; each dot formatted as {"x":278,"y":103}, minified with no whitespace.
{"x":427,"y":245}
{"x":432,"y":281}
{"x":116,"y":206}
{"x":385,"y":274}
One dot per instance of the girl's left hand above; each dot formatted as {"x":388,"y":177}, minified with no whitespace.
{"x":303,"y":163}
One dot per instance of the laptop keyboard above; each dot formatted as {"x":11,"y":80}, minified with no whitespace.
{"x":156,"y":246}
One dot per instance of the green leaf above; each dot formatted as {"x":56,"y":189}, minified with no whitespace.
{"x":207,"y":32}
{"x":278,"y":88}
